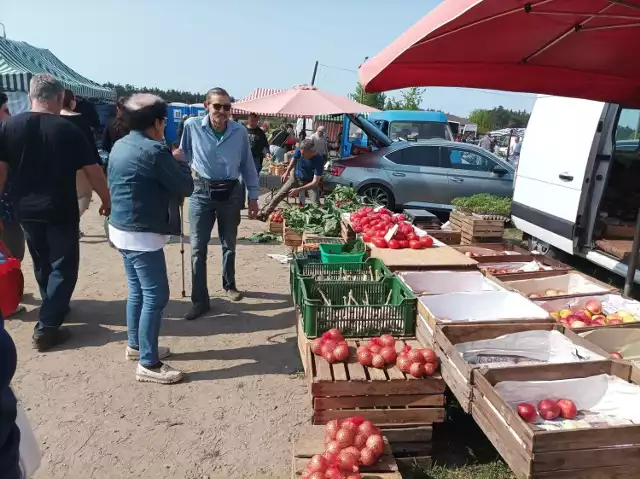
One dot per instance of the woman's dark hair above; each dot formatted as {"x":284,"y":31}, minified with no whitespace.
{"x":68,"y":98}
{"x":118,"y":123}
{"x":3,"y":98}
{"x":142,"y":110}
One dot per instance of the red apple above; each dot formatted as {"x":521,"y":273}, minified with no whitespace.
{"x":598,"y":320}
{"x":578,"y":324}
{"x":584,"y":316}
{"x":615,"y":321}
{"x":594,"y":306}
{"x":573,"y":317}
{"x":548,"y":409}
{"x":568,"y":409}
{"x":527,"y":412}
{"x":616,"y":355}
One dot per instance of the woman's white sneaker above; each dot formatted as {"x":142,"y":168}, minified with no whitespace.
{"x":134,"y":355}
{"x":165,"y":375}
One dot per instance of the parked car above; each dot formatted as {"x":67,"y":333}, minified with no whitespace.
{"x":425,"y":174}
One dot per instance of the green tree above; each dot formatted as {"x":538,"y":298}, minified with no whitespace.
{"x":392,"y":104}
{"x":498,"y":118}
{"x":411,"y":98}
{"x":482,"y":118}
{"x":168,"y":95}
{"x":374,"y":100}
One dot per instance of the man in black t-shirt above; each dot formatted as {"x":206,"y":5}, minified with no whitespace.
{"x":257,"y":140}
{"x":43,"y":152}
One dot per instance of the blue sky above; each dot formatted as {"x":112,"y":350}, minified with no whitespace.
{"x":238,"y":44}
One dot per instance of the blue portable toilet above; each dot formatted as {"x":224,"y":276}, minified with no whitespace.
{"x":197,"y":109}
{"x":174,"y":115}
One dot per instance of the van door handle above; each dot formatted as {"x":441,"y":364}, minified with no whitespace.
{"x":457,"y":179}
{"x":565,"y":177}
{"x":399,"y":174}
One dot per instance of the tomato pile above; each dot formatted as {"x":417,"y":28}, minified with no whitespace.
{"x":331,"y":346}
{"x":378,"y":352}
{"x":417,"y":362}
{"x":348,"y":443}
{"x":276,"y":217}
{"x":374,"y":226}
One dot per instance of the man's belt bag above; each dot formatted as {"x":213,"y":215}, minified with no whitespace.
{"x":219,"y":190}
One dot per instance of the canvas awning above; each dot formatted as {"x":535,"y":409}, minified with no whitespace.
{"x":19,"y":61}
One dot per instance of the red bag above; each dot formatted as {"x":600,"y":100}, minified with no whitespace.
{"x":11,"y":282}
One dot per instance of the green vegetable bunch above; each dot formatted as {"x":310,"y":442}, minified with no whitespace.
{"x":483,"y":204}
{"x":322,"y":220}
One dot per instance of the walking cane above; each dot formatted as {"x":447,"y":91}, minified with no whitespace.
{"x":182,"y":245}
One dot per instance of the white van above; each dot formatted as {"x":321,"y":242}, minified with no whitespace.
{"x":577,"y":186}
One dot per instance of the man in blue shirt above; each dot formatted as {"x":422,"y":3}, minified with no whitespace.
{"x":309,"y":166}
{"x":218,"y":151}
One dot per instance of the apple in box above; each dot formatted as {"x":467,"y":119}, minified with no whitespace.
{"x":568,"y":409}
{"x":548,"y":409}
{"x":594,"y":306}
{"x":527,"y":412}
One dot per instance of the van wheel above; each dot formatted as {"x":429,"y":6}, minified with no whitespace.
{"x":380,"y":194}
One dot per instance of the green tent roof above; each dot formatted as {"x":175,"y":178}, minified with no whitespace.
{"x":19,"y":61}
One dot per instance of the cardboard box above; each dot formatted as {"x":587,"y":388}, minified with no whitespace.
{"x":572,"y":284}
{"x":425,"y":283}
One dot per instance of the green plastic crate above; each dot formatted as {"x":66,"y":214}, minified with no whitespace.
{"x":332,"y":253}
{"x":321,"y":272}
{"x":397,"y":318}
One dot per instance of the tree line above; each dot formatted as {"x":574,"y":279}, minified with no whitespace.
{"x":168,"y":95}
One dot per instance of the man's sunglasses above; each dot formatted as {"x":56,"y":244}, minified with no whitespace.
{"x":220,"y":106}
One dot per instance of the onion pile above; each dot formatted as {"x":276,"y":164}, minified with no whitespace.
{"x":349,"y":443}
{"x":417,"y":362}
{"x":331,"y":346}
{"x":378,"y":352}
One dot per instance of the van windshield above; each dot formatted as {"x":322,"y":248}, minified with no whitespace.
{"x":419,"y":130}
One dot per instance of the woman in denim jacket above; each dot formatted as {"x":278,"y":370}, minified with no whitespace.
{"x":144,"y":178}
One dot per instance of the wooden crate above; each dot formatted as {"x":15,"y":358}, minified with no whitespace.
{"x":384,"y":396}
{"x":275,"y":228}
{"x":411,"y":445}
{"x":558,"y":268}
{"x":496,"y":252}
{"x":311,"y":241}
{"x":476,"y":230}
{"x":533,"y":453}
{"x":448,"y":237}
{"x":458,"y":374}
{"x":346,"y":231}
{"x":291,"y":238}
{"x":305,"y":447}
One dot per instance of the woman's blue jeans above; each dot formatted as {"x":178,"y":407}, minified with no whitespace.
{"x":148,"y":296}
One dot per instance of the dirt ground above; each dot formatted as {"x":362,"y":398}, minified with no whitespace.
{"x":235,"y":416}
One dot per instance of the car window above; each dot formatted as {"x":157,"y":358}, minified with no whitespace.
{"x":417,"y":156}
{"x":418,"y":130}
{"x":468,"y":160}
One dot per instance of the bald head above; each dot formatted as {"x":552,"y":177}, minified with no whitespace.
{"x":146,"y":113}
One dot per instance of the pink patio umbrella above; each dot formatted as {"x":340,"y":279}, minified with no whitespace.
{"x":302,"y":101}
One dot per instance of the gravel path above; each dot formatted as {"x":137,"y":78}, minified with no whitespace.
{"x":234,"y":417}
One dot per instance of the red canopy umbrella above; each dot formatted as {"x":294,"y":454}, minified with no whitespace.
{"x":302,"y":101}
{"x":582,"y":49}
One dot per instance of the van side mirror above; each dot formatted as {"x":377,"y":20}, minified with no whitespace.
{"x":499,"y":171}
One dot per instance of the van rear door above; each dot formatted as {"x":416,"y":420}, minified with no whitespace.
{"x":556,"y":163}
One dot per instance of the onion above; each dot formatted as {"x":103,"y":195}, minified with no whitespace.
{"x":365,"y":358}
{"x":305,"y":474}
{"x":368,"y":457}
{"x":334,"y":473}
{"x":349,"y":426}
{"x":332,"y":428}
{"x":354,"y":475}
{"x":345,"y":437}
{"x":328,"y":346}
{"x":335,"y":334}
{"x":353,"y":450}
{"x":329,"y":357}
{"x":378,"y":361}
{"x":430,"y":368}
{"x":403,"y":364}
{"x":317,"y":475}
{"x":375,"y":348}
{"x":347,"y":460}
{"x":429,"y":356}
{"x":341,"y":352}
{"x":416,"y":370}
{"x":387,"y":340}
{"x":366,"y":428}
{"x":333,"y":448}
{"x":389,"y":354}
{"x":376,"y":444}
{"x":316,"y":346}
{"x":317,"y":463}
{"x":362,"y":349}
{"x":414,"y":356}
{"x":331,"y":457}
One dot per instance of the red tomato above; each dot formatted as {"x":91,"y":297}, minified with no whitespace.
{"x":380,"y":234}
{"x":412,"y":236}
{"x":404,"y":243}
{"x":399,"y":236}
{"x":394,"y":244}
{"x":364,"y":222}
{"x":357,"y":229}
{"x":368,"y":209}
{"x":384,"y":211}
{"x":379,"y":243}
{"x":366,"y":238}
{"x":406,"y":228}
{"x":427,"y":241}
{"x":415,"y":244}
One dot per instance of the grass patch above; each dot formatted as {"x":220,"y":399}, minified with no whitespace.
{"x":492,"y":470}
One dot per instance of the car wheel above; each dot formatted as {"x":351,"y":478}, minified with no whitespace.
{"x":380,"y":194}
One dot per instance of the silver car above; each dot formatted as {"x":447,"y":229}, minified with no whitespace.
{"x":425,"y":174}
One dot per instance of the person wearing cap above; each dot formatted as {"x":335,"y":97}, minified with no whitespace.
{"x":320,"y":142}
{"x":307,"y":165}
